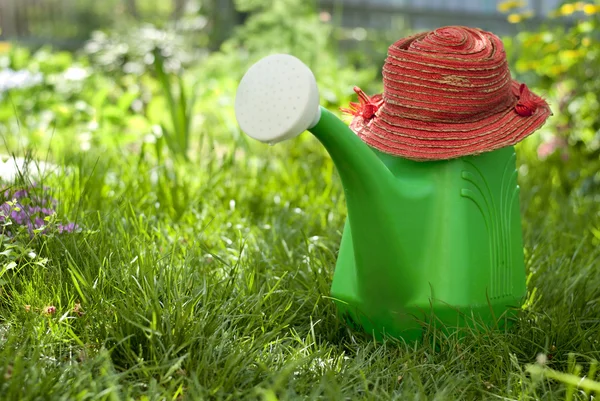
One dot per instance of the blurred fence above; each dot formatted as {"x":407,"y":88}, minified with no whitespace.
{"x":73,"y":20}
{"x":419,"y":14}
{"x":67,"y":21}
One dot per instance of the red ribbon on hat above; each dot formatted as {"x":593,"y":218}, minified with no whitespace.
{"x":367,"y":106}
{"x":527,"y":104}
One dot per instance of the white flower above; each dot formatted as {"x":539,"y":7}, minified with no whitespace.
{"x":85,"y":141}
{"x":13,"y":167}
{"x":75,"y":74}
{"x":11,"y":79}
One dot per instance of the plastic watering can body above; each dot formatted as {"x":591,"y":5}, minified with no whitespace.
{"x":424,"y":242}
{"x":434,"y":240}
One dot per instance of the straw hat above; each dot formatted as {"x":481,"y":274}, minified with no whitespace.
{"x":447,"y":93}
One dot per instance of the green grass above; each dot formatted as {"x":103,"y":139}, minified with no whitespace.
{"x":210,"y":280}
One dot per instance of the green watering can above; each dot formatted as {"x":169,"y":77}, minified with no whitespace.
{"x":432,"y":236}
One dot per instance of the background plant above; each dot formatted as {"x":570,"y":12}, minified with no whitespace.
{"x":203,"y":265}
{"x":560,"y":61}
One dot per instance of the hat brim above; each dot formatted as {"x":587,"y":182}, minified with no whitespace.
{"x":427,"y":140}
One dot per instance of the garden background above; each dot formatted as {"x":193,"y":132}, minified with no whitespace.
{"x":150,"y":251}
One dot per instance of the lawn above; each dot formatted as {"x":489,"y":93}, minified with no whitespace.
{"x":168,"y":257}
{"x":228,"y":298}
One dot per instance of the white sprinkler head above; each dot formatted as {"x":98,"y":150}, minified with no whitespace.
{"x":277,"y":99}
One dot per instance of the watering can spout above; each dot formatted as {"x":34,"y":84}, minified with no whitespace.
{"x":422,"y":239}
{"x":374,"y":197}
{"x":278,"y":99}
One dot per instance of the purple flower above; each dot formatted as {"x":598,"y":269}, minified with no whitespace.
{"x":28,"y":207}
{"x":67,"y":228}
{"x":39,"y":222}
{"x":20,"y":194}
{"x":4,"y":210}
{"x":18,"y":216}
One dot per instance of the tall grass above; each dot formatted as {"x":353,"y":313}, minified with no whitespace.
{"x":228,"y":298}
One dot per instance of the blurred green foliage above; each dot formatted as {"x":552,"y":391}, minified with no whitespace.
{"x":142,"y":117}
{"x":161,"y":86}
{"x":120,"y":91}
{"x":131,"y":50}
{"x":560,"y":61}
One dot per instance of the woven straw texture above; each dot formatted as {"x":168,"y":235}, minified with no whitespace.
{"x":447,"y":93}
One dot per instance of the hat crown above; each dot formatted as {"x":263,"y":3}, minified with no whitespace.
{"x":447,"y":93}
{"x":447,"y":75}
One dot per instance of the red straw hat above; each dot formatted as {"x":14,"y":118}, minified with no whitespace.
{"x":447,"y":93}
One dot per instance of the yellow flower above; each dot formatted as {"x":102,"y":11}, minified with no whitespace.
{"x":5,"y":47}
{"x":585,"y":42}
{"x":567,"y":9}
{"x":569,"y":54}
{"x":509,"y":5}
{"x":514,"y":18}
{"x":590,"y":9}
{"x":579,"y":5}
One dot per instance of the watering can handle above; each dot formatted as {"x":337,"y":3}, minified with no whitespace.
{"x":277,"y":99}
